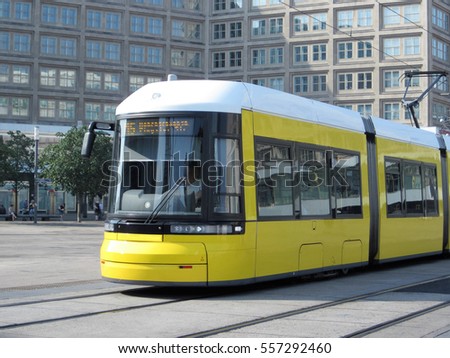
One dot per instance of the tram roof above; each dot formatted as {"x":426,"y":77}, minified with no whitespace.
{"x":232,"y":97}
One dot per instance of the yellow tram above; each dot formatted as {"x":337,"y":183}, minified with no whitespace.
{"x":228,"y":183}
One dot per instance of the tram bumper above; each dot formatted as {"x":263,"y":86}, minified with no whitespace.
{"x":154,"y":262}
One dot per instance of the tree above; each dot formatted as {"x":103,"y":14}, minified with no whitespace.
{"x":63,"y":164}
{"x":17,"y":161}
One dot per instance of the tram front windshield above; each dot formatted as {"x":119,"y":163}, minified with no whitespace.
{"x":160,"y":166}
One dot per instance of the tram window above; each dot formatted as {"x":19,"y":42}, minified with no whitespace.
{"x":430,"y":190}
{"x":393,"y":187}
{"x":226,"y":176}
{"x":274,"y":180}
{"x":412,"y":180}
{"x":411,"y":188}
{"x":346,"y":191}
{"x":313,"y":196}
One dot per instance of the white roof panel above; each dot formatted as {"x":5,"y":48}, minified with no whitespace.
{"x":404,"y":133}
{"x":232,"y":97}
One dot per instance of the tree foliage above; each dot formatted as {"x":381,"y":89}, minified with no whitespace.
{"x":17,"y":160}
{"x":63,"y":164}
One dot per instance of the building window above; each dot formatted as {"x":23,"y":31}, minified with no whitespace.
{"x":319,"y":52}
{"x":391,"y":111}
{"x":67,"y":110}
{"x":186,"y":4}
{"x":235,"y":58}
{"x":301,"y":84}
{"x":55,"y":46}
{"x":21,"y":43}
{"x":364,"y":109}
{"x":301,"y":54}
{"x":276,"y":26}
{"x":411,"y":46}
{"x":59,"y":15}
{"x":47,"y":108}
{"x":401,"y":15}
{"x":186,"y":30}
{"x":440,"y":18}
{"x":345,"y":81}
{"x":236,"y":29}
{"x":270,"y":82}
{"x":22,"y":11}
{"x":259,"y":57}
{"x":258,"y":27}
{"x":100,"y":50}
{"x":310,"y":84}
{"x":219,"y":31}
{"x":364,"y":80}
{"x":319,"y":83}
{"x":158,"y":3}
{"x":5,"y":9}
{"x":354,"y":18}
{"x":391,"y":47}
{"x":276,"y":56}
{"x":391,"y":79}
{"x":146,"y":25}
{"x":345,"y":19}
{"x":223,"y":5}
{"x":59,"y":78}
{"x":92,"y":111}
{"x":103,"y":81}
{"x":439,"y":49}
{"x":266,"y":27}
{"x":185,"y":58}
{"x":345,"y":50}
{"x":219,"y":60}
{"x":100,"y":20}
{"x":97,"y":111}
{"x":14,"y":74}
{"x":137,"y":81}
{"x":364,"y":49}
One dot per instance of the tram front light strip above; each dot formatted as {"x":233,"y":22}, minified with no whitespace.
{"x":204,"y":229}
{"x":216,"y":229}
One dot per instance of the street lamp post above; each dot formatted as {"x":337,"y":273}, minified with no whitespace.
{"x":36,"y":184}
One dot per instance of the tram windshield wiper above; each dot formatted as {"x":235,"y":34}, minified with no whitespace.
{"x":165,"y":200}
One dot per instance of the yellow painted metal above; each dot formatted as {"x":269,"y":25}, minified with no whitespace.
{"x":133,"y":237}
{"x":248,"y":167}
{"x":280,"y":244}
{"x":154,"y":273}
{"x":310,"y":256}
{"x":285,"y":246}
{"x":407,"y":236}
{"x":160,"y":253}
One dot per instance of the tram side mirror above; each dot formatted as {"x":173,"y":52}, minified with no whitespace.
{"x":88,"y":144}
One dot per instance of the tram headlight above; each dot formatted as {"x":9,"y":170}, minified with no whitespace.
{"x":110,"y":225}
{"x":204,"y":229}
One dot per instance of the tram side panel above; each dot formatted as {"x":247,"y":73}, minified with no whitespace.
{"x":411,"y":207}
{"x":305,"y":227}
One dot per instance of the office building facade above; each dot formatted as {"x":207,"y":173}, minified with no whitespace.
{"x":66,"y":63}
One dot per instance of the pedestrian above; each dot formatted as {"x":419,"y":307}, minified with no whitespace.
{"x":61,"y":210}
{"x":31,"y":209}
{"x":2,"y":210}
{"x":12,"y":213}
{"x":97,"y":211}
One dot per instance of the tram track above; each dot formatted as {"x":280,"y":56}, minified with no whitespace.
{"x":68,"y":298}
{"x":359,"y":333}
{"x":202,"y":294}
